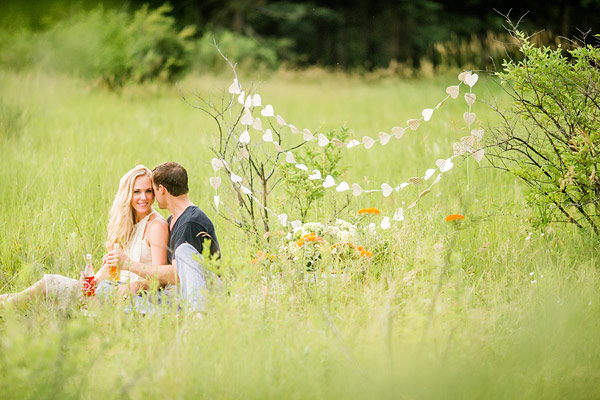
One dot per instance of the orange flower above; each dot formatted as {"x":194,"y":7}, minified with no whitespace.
{"x":300,"y":243}
{"x":261,"y":255}
{"x":366,"y":253}
{"x":371,"y":210}
{"x":359,"y":248}
{"x":454,"y":217}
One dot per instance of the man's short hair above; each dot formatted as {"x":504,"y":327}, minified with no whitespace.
{"x":172,"y":176}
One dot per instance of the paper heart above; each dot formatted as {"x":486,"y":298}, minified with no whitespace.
{"x":356,"y":189}
{"x":447,"y":165}
{"x":384,"y":138}
{"x":282,"y":219}
{"x":470,"y":98}
{"x":411,"y":205}
{"x":368,"y":142}
{"x":342,"y":187}
{"x":437,"y":179}
{"x":329,"y":182}
{"x":458,"y":149}
{"x":289,"y":157}
{"x":468,"y":142}
{"x":385,"y":223}
{"x":278,"y":147}
{"x":234,"y":88}
{"x":235,"y":178}
{"x":387,"y":189}
{"x":429,"y":173}
{"x":352,"y":143}
{"x":323,"y":141}
{"x":247,"y":118}
{"x":243,"y":154}
{"x":440,"y":163}
{"x":256,"y":100}
{"x":248,"y":102}
{"x":471,"y":79}
{"x":404,"y":184}
{"x":241,"y":97}
{"x":302,"y":167}
{"x":307,"y":135}
{"x":469,"y":117}
{"x":337,"y":143}
{"x":245,"y":190}
{"x":461,"y":76}
{"x":316,"y":174}
{"x":398,"y":132}
{"x":216,"y":164}
{"x":413,"y":124}
{"x":424,"y":193}
{"x":215,"y":182}
{"x":427,"y":113}
{"x":281,"y":121}
{"x":477,"y":134}
{"x":398,"y":215}
{"x":245,"y":137}
{"x":293,"y":129}
{"x":267,"y":111}
{"x":216,"y":200}
{"x":268,"y":136}
{"x":257,"y":124}
{"x":478,"y":155}
{"x":453,"y":91}
{"x":415,"y":180}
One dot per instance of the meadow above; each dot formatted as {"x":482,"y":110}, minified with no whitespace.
{"x":492,"y":307}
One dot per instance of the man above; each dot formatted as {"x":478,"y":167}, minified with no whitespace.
{"x":190,"y":230}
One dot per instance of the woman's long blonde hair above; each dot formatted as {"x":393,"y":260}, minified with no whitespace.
{"x":121,"y":217}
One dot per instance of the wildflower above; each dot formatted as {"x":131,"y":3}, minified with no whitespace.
{"x":261,"y":255}
{"x":371,"y":210}
{"x":454,"y":217}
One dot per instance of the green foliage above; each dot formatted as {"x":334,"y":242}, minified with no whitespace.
{"x":245,"y":51}
{"x":551,"y":132}
{"x":112,"y":46}
{"x":301,"y":193}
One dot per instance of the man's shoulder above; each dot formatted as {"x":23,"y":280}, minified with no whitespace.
{"x":196,"y":215}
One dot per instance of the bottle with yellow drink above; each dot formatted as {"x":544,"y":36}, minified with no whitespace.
{"x":114,"y":271}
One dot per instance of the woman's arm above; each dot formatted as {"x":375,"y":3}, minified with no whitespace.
{"x":158,"y":238}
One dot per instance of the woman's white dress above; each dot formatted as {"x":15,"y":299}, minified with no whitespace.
{"x":64,"y":290}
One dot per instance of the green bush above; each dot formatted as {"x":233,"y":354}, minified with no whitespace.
{"x":551,"y":132}
{"x":244,"y":51}
{"x":110,"y":45}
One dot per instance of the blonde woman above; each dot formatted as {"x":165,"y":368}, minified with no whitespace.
{"x":134,"y":224}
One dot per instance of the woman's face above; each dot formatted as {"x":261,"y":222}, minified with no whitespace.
{"x":143,"y":196}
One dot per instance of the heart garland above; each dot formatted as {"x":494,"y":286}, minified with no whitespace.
{"x":466,"y":144}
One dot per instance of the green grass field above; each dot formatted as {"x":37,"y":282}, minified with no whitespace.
{"x":490,"y":308}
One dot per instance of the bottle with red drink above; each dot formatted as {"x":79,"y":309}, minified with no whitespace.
{"x":89,"y":286}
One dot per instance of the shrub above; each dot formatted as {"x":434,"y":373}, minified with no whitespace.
{"x":550,"y":137}
{"x":247,"y":52}
{"x":110,"y":45}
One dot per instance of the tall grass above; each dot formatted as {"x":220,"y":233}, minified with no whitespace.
{"x":490,"y":308}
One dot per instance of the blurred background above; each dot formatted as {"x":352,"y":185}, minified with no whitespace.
{"x":138,"y":40}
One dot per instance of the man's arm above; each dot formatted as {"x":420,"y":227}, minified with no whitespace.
{"x":164,"y":274}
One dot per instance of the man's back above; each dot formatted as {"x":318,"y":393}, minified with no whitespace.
{"x":193,"y":226}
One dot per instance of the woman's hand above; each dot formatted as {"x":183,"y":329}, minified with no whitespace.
{"x":117,"y":259}
{"x":102,"y":274}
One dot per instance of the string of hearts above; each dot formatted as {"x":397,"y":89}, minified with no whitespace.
{"x":466,"y":144}
{"x":250,"y":102}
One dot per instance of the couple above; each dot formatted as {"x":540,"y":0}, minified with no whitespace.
{"x":166,"y":251}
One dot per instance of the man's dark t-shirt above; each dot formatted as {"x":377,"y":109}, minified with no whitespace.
{"x":193,"y":227}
